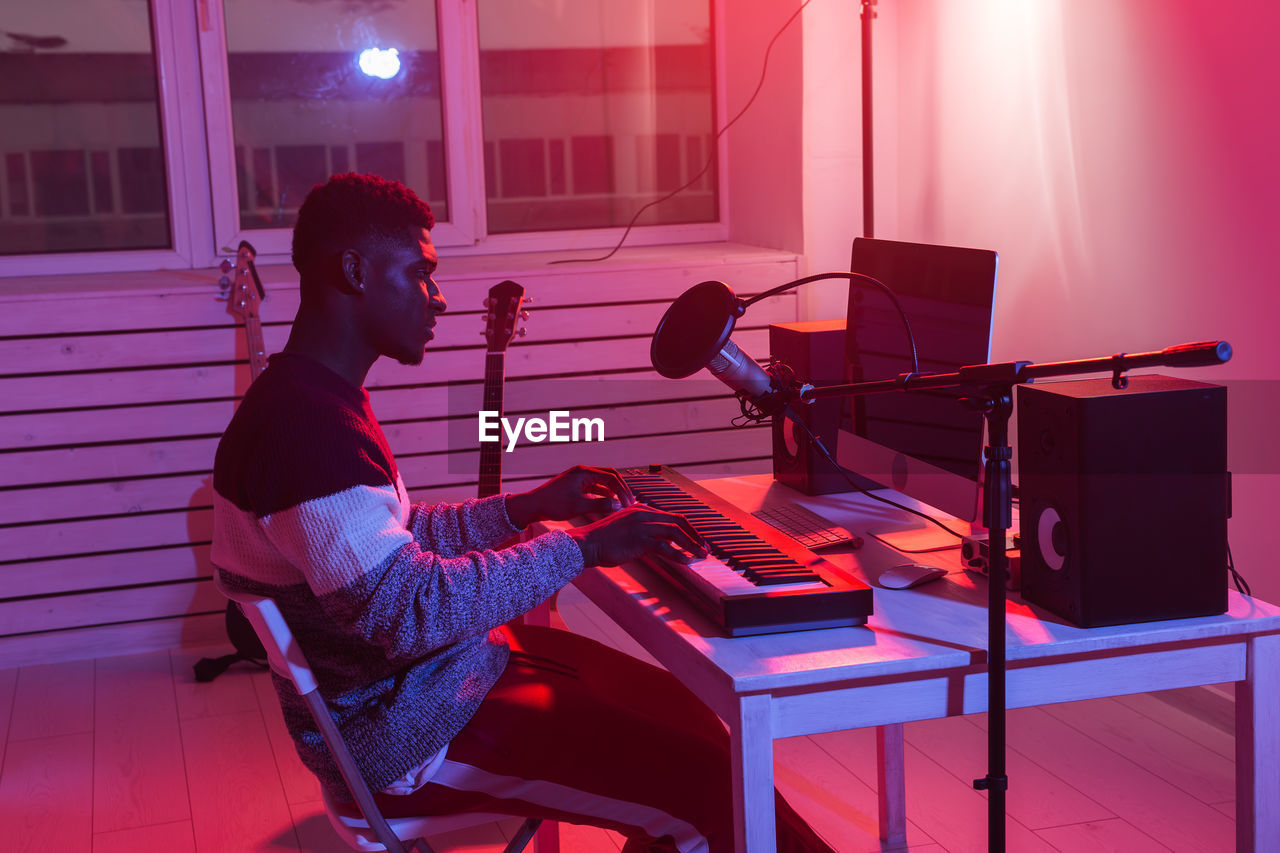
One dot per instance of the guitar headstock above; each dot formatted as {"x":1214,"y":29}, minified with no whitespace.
{"x":503,"y":313}
{"x":246,"y":292}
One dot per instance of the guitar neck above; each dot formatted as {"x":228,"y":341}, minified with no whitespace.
{"x":491,"y":451}
{"x":257,"y":347}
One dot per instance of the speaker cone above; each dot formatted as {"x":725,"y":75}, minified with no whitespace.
{"x":1051,"y":538}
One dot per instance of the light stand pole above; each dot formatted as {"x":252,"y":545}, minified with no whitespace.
{"x":868,"y":173}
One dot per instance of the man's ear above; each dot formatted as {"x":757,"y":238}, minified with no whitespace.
{"x":353,"y":271}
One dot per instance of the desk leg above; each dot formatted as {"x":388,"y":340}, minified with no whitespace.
{"x":1258,"y":748}
{"x":547,"y":838}
{"x":891,"y":768}
{"x":752,"y":746}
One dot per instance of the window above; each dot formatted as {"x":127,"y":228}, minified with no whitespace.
{"x":512,"y":119}
{"x":592,"y":109}
{"x":317,"y":90}
{"x":83,"y":159}
{"x":150,"y":134}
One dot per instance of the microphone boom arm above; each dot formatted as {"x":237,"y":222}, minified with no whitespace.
{"x":1198,"y":354}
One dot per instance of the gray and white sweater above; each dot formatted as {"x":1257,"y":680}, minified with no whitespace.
{"x":393,"y":604}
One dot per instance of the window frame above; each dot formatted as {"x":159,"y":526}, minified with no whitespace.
{"x":182,"y":140}
{"x":195,"y":121}
{"x":465,"y":233}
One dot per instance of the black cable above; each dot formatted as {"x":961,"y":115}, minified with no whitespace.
{"x":852,"y":277}
{"x":785,"y":378}
{"x":751,"y":413}
{"x":1242,"y":586}
{"x":843,"y":473}
{"x":715,"y":150}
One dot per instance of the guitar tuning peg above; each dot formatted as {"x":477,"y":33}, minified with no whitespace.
{"x":524,"y":315}
{"x":488,"y":302}
{"x":522,"y":331}
{"x":528,"y":300}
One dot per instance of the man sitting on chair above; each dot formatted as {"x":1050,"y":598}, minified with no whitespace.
{"x":401,"y":609}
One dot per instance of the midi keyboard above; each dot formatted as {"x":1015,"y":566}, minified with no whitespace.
{"x":755,"y":580}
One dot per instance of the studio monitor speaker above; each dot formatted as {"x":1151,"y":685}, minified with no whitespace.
{"x":1124,"y":497}
{"x":815,"y":351}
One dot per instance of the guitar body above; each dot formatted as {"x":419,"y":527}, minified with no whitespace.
{"x":503,"y":315}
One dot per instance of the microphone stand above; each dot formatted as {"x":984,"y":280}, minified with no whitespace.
{"x":694,"y":334}
{"x":989,"y":387}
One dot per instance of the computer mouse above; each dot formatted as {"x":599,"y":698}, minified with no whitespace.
{"x":909,"y":575}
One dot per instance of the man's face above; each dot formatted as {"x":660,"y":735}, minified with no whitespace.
{"x":401,"y":300}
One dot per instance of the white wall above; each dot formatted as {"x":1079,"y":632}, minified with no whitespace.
{"x":764,"y":154}
{"x":1121,"y":155}
{"x":832,"y":149}
{"x":833,"y":154}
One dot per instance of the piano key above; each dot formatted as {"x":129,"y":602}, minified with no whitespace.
{"x":728,"y":582}
{"x":754,"y":580}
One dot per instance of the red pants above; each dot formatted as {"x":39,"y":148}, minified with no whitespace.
{"x":575,"y":731}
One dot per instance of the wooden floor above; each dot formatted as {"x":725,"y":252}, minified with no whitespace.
{"x":130,"y":754}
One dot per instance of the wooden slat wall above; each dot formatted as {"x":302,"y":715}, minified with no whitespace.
{"x":112,"y":401}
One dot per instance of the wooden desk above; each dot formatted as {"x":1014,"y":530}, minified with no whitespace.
{"x":922,"y":656}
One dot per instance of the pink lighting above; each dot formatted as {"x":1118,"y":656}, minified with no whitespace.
{"x":1120,"y":155}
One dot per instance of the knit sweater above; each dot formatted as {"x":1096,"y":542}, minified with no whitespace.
{"x":394,"y":605}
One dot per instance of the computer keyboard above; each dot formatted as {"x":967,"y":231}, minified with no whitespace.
{"x":806,"y":527}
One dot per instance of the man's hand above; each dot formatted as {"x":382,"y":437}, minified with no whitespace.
{"x":579,"y":491}
{"x":635,"y":531}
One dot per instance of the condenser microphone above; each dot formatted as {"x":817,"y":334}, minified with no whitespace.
{"x":694,"y":333}
{"x":732,"y":366}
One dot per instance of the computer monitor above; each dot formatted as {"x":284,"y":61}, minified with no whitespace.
{"x":924,"y":444}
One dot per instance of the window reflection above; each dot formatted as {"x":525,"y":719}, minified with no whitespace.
{"x":83,"y":164}
{"x":313,"y":92}
{"x":592,"y":108}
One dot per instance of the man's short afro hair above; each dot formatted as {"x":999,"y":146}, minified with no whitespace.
{"x":349,"y":209}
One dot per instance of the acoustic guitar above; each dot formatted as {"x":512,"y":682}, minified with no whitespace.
{"x":503,"y":313}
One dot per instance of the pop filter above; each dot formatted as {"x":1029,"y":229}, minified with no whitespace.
{"x":694,"y":333}
{"x":694,"y":329}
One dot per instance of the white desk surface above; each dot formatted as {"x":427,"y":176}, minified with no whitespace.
{"x":938,"y":626}
{"x":922,"y":655}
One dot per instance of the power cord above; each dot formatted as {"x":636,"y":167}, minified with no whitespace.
{"x":1242,"y":586}
{"x":715,"y":151}
{"x":817,"y":442}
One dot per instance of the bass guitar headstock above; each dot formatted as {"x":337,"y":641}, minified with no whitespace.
{"x":245,"y":291}
{"x":503,"y":312}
